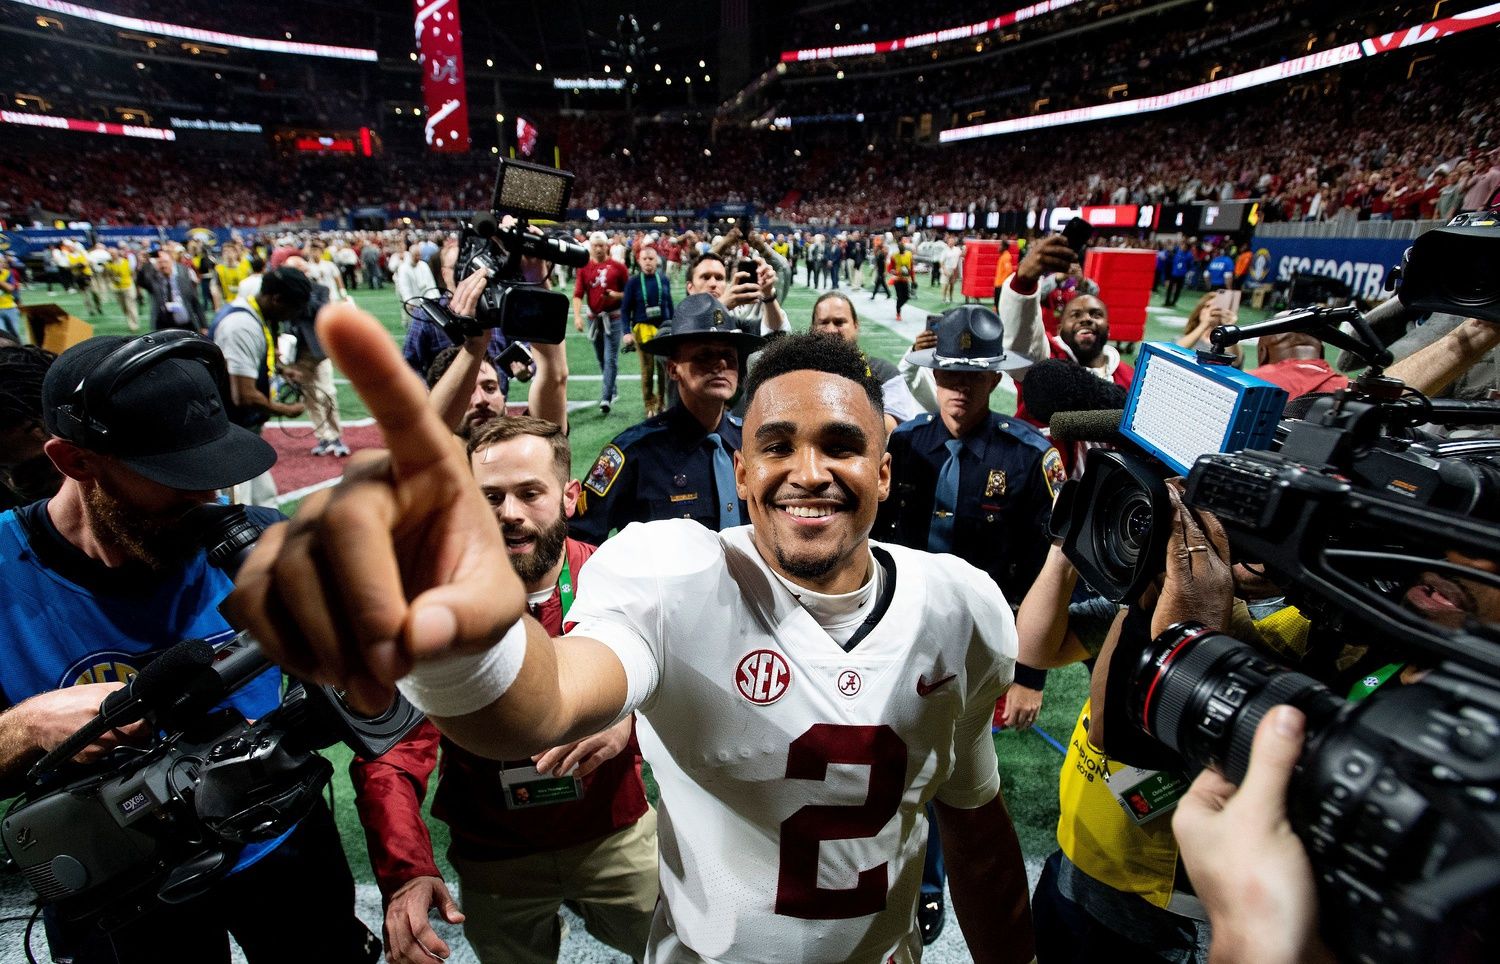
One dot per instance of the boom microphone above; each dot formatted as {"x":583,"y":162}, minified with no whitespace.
{"x":1095,"y":426}
{"x":154,"y":684}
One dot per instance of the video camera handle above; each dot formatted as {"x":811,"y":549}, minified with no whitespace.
{"x":146,"y":693}
{"x":1319,"y":321}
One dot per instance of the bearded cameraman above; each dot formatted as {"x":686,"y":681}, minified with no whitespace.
{"x":102,"y":577}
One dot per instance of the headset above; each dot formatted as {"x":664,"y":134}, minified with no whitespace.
{"x":77,"y":416}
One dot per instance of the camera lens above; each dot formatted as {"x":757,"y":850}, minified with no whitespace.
{"x":1203,"y":694}
{"x":1127,"y":516}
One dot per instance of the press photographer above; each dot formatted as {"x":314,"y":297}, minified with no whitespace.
{"x":104,"y":576}
{"x":1383,"y":538}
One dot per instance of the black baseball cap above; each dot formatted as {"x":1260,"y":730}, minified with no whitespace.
{"x":167,"y":422}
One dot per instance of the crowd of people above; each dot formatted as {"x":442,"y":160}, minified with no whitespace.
{"x":961,"y":594}
{"x":1413,"y":149}
{"x":807,"y":588}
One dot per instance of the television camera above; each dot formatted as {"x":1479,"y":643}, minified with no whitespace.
{"x":497,"y":242}
{"x":1385,"y":537}
{"x":105,"y":841}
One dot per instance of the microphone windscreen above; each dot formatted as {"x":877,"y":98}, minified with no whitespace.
{"x":171,"y":669}
{"x":1061,"y":385}
{"x":1097,"y":426}
{"x":485,"y":225}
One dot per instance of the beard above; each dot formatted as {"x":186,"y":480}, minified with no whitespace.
{"x":812,"y":569}
{"x":1086,"y":355}
{"x":156,"y":541}
{"x":534,"y":565}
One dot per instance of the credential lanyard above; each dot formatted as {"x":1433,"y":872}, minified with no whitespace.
{"x":1373,"y":681}
{"x":565,"y":586}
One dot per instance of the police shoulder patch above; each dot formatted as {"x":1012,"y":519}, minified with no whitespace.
{"x":606,"y":469}
{"x":1053,"y":471}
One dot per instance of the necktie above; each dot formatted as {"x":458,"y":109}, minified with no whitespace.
{"x":945,"y":501}
{"x":729,"y":500}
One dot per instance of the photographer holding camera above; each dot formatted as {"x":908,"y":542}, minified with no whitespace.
{"x":104,"y":576}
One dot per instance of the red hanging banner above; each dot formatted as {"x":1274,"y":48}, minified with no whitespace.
{"x":439,"y":39}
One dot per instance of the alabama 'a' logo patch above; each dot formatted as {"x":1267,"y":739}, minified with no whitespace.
{"x":763,"y":677}
{"x":606,"y":469}
{"x":1053,"y":471}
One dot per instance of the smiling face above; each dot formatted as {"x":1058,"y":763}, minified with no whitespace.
{"x":1084,"y":327}
{"x":813,"y":470}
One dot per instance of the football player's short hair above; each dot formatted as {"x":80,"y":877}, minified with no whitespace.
{"x":819,"y":353}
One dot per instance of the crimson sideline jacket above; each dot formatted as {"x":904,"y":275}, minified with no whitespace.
{"x":389,"y":793}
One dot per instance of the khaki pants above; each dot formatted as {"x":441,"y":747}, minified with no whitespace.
{"x":126,"y":298}
{"x":320,"y":396}
{"x":510,"y":906}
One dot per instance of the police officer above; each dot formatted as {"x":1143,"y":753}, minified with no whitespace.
{"x":679,"y":464}
{"x":977,"y":484}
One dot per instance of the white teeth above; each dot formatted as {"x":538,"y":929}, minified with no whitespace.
{"x":807,"y":512}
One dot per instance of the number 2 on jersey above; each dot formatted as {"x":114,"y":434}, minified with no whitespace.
{"x":797,"y":890}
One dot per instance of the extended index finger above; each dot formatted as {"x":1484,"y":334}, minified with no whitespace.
{"x":362,"y":349}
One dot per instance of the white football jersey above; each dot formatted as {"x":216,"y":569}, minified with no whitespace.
{"x":794,"y":774}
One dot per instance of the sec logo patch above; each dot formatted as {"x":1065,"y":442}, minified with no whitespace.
{"x":763,"y":677}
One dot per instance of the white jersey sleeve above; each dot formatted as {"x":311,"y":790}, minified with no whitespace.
{"x":621,"y":602}
{"x":993,"y":647}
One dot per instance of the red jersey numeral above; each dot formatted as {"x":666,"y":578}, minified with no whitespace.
{"x":797,"y":890}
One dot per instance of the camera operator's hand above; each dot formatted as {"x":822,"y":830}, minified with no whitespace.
{"x":1199,"y":583}
{"x":409,"y":937}
{"x":466,"y":296}
{"x":1245,"y":862}
{"x":400,"y":562}
{"x":926,"y":338}
{"x":43,"y":722}
{"x":588,"y":754}
{"x":287,"y":409}
{"x":1022,"y":706}
{"x":1044,"y":256}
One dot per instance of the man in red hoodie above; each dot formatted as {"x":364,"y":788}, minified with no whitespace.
{"x":518,"y":857}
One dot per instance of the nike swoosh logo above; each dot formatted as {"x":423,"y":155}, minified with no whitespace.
{"x":925,"y":688}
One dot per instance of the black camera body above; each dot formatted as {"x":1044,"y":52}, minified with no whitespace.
{"x":106,"y":841}
{"x":1397,"y":794}
{"x":522,"y":310}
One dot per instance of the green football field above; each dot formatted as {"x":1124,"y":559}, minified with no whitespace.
{"x":1029,"y":761}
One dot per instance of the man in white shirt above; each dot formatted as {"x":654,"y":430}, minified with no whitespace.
{"x":953,"y":259}
{"x":414,"y":278}
{"x":803,"y":692}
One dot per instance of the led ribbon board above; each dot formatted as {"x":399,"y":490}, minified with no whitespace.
{"x":961,"y":32}
{"x":203,"y":36}
{"x":1323,"y":59}
{"x":1179,"y":409}
{"x":86,"y":126}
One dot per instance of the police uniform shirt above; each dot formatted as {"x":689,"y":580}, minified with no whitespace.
{"x":662,"y":468}
{"x":1009,"y":474}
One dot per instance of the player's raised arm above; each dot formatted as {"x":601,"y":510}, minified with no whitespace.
{"x":402,"y":565}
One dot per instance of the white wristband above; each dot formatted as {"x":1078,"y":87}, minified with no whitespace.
{"x":456,"y":685}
